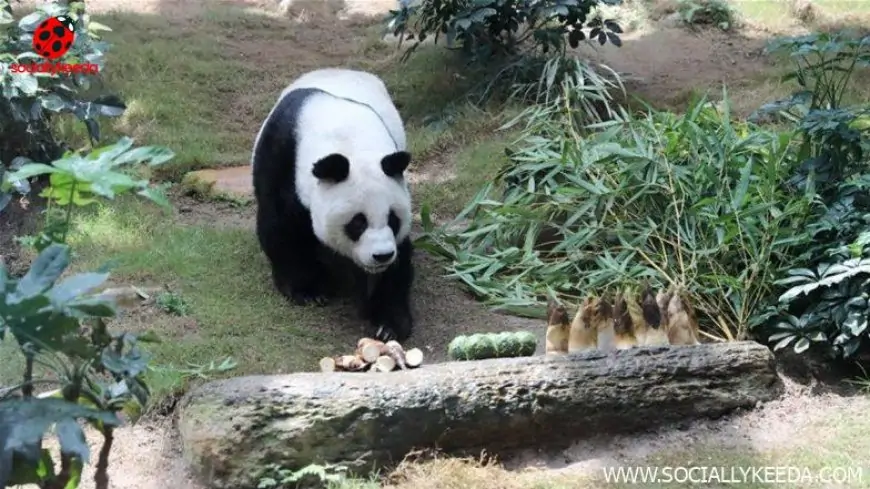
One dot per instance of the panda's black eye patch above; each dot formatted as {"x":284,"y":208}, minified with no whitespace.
{"x":394,"y":222}
{"x":356,"y":227}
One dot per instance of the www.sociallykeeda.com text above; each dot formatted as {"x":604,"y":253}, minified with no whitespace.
{"x":54,"y":68}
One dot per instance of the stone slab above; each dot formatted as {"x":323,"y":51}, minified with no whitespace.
{"x":233,"y":182}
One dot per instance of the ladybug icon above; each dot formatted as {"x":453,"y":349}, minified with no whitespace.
{"x":53,"y":37}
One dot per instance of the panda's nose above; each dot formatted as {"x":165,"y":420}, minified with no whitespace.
{"x":383,"y":257}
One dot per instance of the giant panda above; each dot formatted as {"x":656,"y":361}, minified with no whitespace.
{"x":328,"y":171}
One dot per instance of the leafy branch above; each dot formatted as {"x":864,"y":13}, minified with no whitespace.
{"x":76,"y":181}
{"x":60,"y":327}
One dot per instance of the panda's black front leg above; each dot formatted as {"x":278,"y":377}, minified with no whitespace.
{"x":301,"y":281}
{"x":363,"y":293}
{"x":296,"y":272}
{"x":389,"y":305}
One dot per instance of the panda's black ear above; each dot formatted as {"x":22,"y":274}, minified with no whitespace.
{"x":395,"y":164}
{"x":333,"y":168}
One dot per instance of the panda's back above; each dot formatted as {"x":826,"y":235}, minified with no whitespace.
{"x":363,"y":88}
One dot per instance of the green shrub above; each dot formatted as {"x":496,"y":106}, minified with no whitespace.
{"x":834,"y":136}
{"x":513,"y":37}
{"x":694,"y":200}
{"x":61,"y":331}
{"x":173,"y":303}
{"x":826,"y":304}
{"x":485,"y":28}
{"x":18,"y":188}
{"x":707,"y":12}
{"x":30,"y":102}
{"x":838,"y":310}
{"x":570,"y":90}
{"x":723,"y":208}
{"x":60,"y":328}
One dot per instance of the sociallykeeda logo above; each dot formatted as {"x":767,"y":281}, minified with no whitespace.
{"x":52,"y":38}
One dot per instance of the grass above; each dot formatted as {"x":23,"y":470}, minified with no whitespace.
{"x":168,"y":101}
{"x":173,"y":303}
{"x":231,"y":309}
{"x":781,"y":15}
{"x":474,"y":163}
{"x":771,"y":14}
{"x":213,"y":123}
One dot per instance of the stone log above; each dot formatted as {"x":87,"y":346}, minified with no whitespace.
{"x":232,"y":428}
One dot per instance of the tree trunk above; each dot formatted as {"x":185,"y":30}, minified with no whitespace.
{"x":232,"y":428}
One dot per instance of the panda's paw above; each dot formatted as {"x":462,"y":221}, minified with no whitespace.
{"x":301,"y":295}
{"x":385,"y":333}
{"x":305,"y":298}
{"x":393,"y":331}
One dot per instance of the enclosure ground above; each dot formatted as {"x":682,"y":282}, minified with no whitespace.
{"x":206,"y":101}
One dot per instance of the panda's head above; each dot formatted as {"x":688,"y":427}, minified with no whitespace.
{"x":362,"y":209}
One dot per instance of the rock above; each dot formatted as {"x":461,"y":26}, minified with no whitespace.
{"x":320,"y":7}
{"x":129,"y":296}
{"x":803,"y":10}
{"x":673,"y":20}
{"x":369,"y":8}
{"x":233,"y":183}
{"x":341,"y":9}
{"x":232,"y":428}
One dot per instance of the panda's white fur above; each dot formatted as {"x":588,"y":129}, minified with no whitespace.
{"x":320,"y":115}
{"x":367,"y":132}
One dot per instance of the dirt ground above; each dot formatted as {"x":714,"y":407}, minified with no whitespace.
{"x":778,"y":425}
{"x":21,"y":217}
{"x":667,"y":64}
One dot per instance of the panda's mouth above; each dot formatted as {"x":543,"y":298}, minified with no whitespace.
{"x":374,"y":270}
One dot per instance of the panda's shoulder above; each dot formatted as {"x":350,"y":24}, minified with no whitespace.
{"x":292,"y":101}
